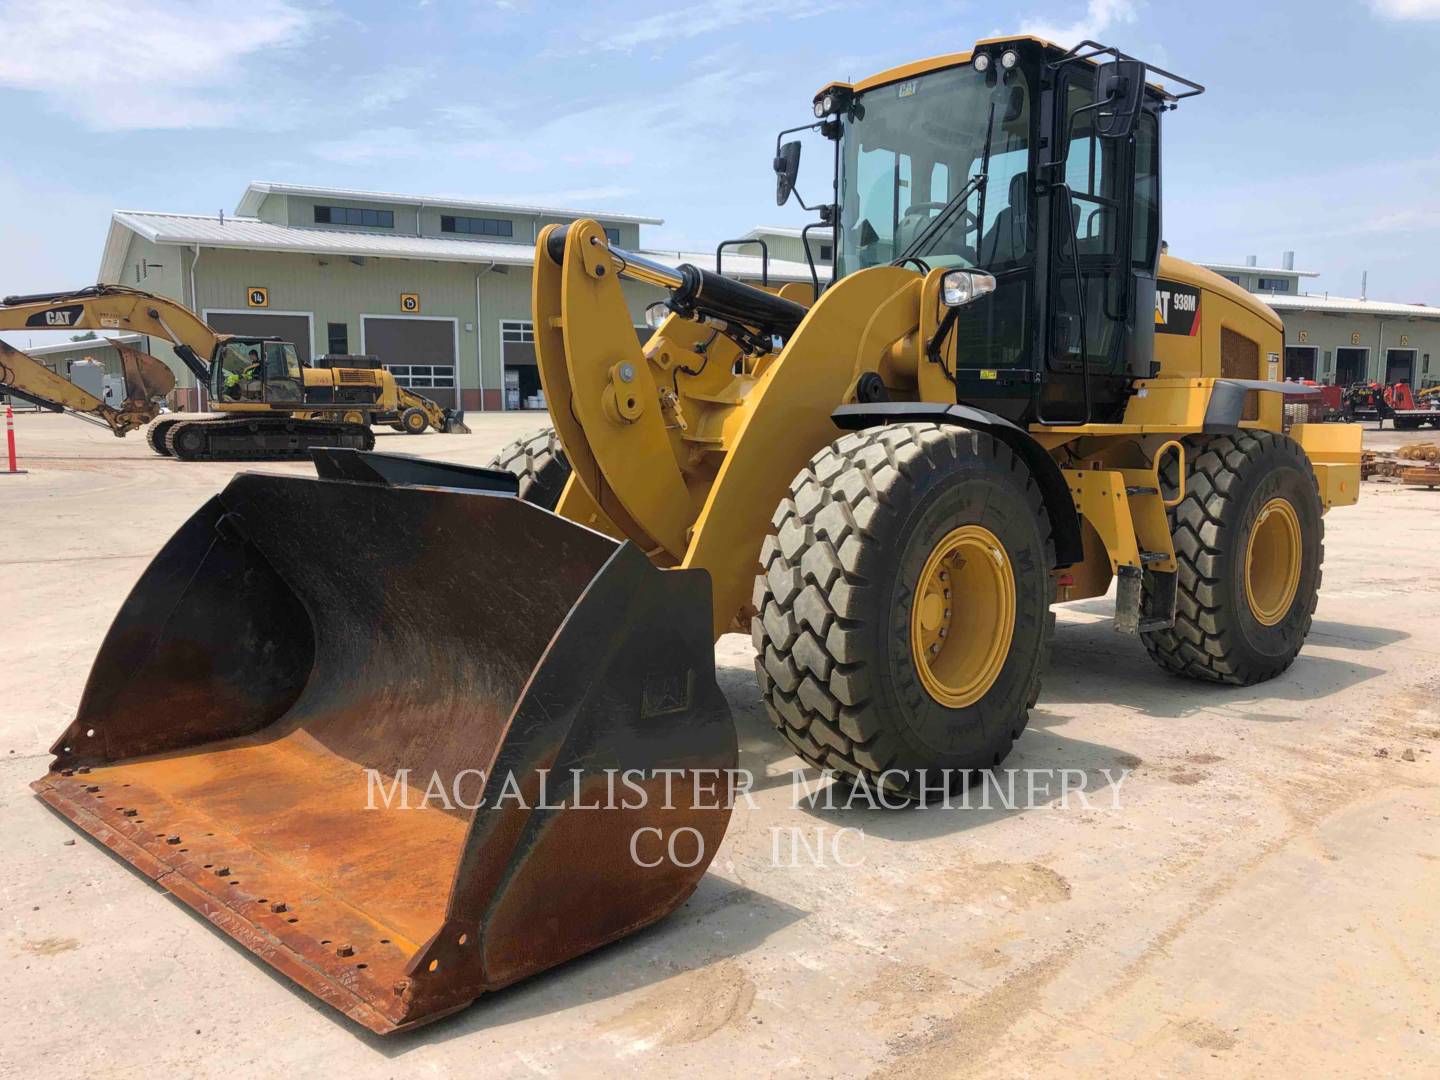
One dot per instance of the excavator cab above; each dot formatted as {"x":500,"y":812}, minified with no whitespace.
{"x":256,"y":370}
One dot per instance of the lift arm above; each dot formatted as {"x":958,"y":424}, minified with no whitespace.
{"x":115,"y":307}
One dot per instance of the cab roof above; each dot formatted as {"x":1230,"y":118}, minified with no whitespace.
{"x":916,"y":68}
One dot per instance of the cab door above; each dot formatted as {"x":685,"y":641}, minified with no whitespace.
{"x":1091,"y":226}
{"x":283,"y":384}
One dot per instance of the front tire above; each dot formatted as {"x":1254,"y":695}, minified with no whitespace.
{"x":1249,"y":543}
{"x":413,"y":421}
{"x":539,"y":461}
{"x":843,"y":629}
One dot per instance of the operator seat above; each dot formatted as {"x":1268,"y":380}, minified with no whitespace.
{"x":1006,"y":240}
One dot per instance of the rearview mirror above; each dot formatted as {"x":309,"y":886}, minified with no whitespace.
{"x":787,"y":167}
{"x":1119,"y":88}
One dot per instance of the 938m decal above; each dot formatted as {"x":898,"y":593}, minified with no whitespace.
{"x":1177,"y":308}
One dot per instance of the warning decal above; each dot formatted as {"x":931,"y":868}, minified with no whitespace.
{"x":1177,"y":308}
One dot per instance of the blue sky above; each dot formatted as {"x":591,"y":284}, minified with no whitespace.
{"x":1316,"y":134}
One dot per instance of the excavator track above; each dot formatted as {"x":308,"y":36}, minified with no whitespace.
{"x":277,"y":438}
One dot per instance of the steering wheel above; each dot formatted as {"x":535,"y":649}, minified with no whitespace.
{"x":917,"y":217}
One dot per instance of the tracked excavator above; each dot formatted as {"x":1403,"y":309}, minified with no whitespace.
{"x":1006,"y":397}
{"x":265,"y":403}
{"x":147,"y":382}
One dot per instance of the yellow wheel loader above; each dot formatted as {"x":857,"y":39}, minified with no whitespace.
{"x":264,"y":403}
{"x":1006,"y":397}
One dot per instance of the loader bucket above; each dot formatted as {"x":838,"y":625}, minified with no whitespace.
{"x":407,"y":743}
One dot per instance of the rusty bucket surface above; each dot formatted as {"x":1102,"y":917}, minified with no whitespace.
{"x":297,"y":709}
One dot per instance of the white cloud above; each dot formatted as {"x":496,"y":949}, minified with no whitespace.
{"x":202,"y":63}
{"x":1100,"y":16}
{"x":1406,"y":9}
{"x":685,"y":23}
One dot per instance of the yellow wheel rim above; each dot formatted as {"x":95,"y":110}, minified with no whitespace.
{"x":1272,"y":562}
{"x":353,"y":418}
{"x":963,"y":617}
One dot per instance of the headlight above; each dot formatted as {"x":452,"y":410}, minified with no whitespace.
{"x":819,"y":109}
{"x":1009,"y":58}
{"x":656,"y":314}
{"x":981,"y":62}
{"x":961,"y":287}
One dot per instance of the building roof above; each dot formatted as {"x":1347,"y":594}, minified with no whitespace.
{"x":1236,"y":268}
{"x":1340,"y":305}
{"x":80,"y":346}
{"x":256,"y":191}
{"x":251,"y":234}
{"x":773,"y":230}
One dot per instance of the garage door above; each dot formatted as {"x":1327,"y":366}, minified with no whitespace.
{"x":292,"y":328}
{"x":420,"y":353}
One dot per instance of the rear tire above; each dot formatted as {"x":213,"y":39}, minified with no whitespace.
{"x":838,"y":588}
{"x":1223,"y":632}
{"x":413,"y":421}
{"x":539,"y":461}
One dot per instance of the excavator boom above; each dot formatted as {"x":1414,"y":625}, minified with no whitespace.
{"x":115,"y":307}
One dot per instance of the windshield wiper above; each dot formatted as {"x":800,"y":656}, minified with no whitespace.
{"x":942,"y":220}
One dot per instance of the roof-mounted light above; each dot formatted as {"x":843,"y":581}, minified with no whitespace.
{"x":981,"y":63}
{"x":1008,"y":59}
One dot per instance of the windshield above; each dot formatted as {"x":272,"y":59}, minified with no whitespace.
{"x":912,"y":146}
{"x":245,"y":364}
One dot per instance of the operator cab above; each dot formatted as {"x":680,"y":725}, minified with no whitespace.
{"x":1004,"y":163}
{"x":256,"y":370}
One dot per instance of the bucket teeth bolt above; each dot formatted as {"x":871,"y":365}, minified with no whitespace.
{"x":172,"y":839}
{"x":132,"y":812}
{"x":93,"y":788}
{"x":222,"y":871}
{"x":279,"y":907}
{"x":345,"y":950}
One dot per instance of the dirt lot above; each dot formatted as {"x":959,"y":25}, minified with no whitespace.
{"x":1265,"y":897}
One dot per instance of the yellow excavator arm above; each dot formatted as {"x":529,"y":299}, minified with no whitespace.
{"x":147,"y":381}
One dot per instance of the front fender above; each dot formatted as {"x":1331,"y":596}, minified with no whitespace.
{"x":1064,"y":521}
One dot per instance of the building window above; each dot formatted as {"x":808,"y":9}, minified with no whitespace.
{"x":338,"y":339}
{"x":1272,"y":284}
{"x":423,"y":376}
{"x":613,"y":235}
{"x":353,"y":215}
{"x":515,"y":331}
{"x":1234,"y":279}
{"x":827,"y":252}
{"x":476,"y":226}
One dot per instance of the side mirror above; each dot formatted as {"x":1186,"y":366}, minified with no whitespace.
{"x":1119,"y":88}
{"x":787,"y":167}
